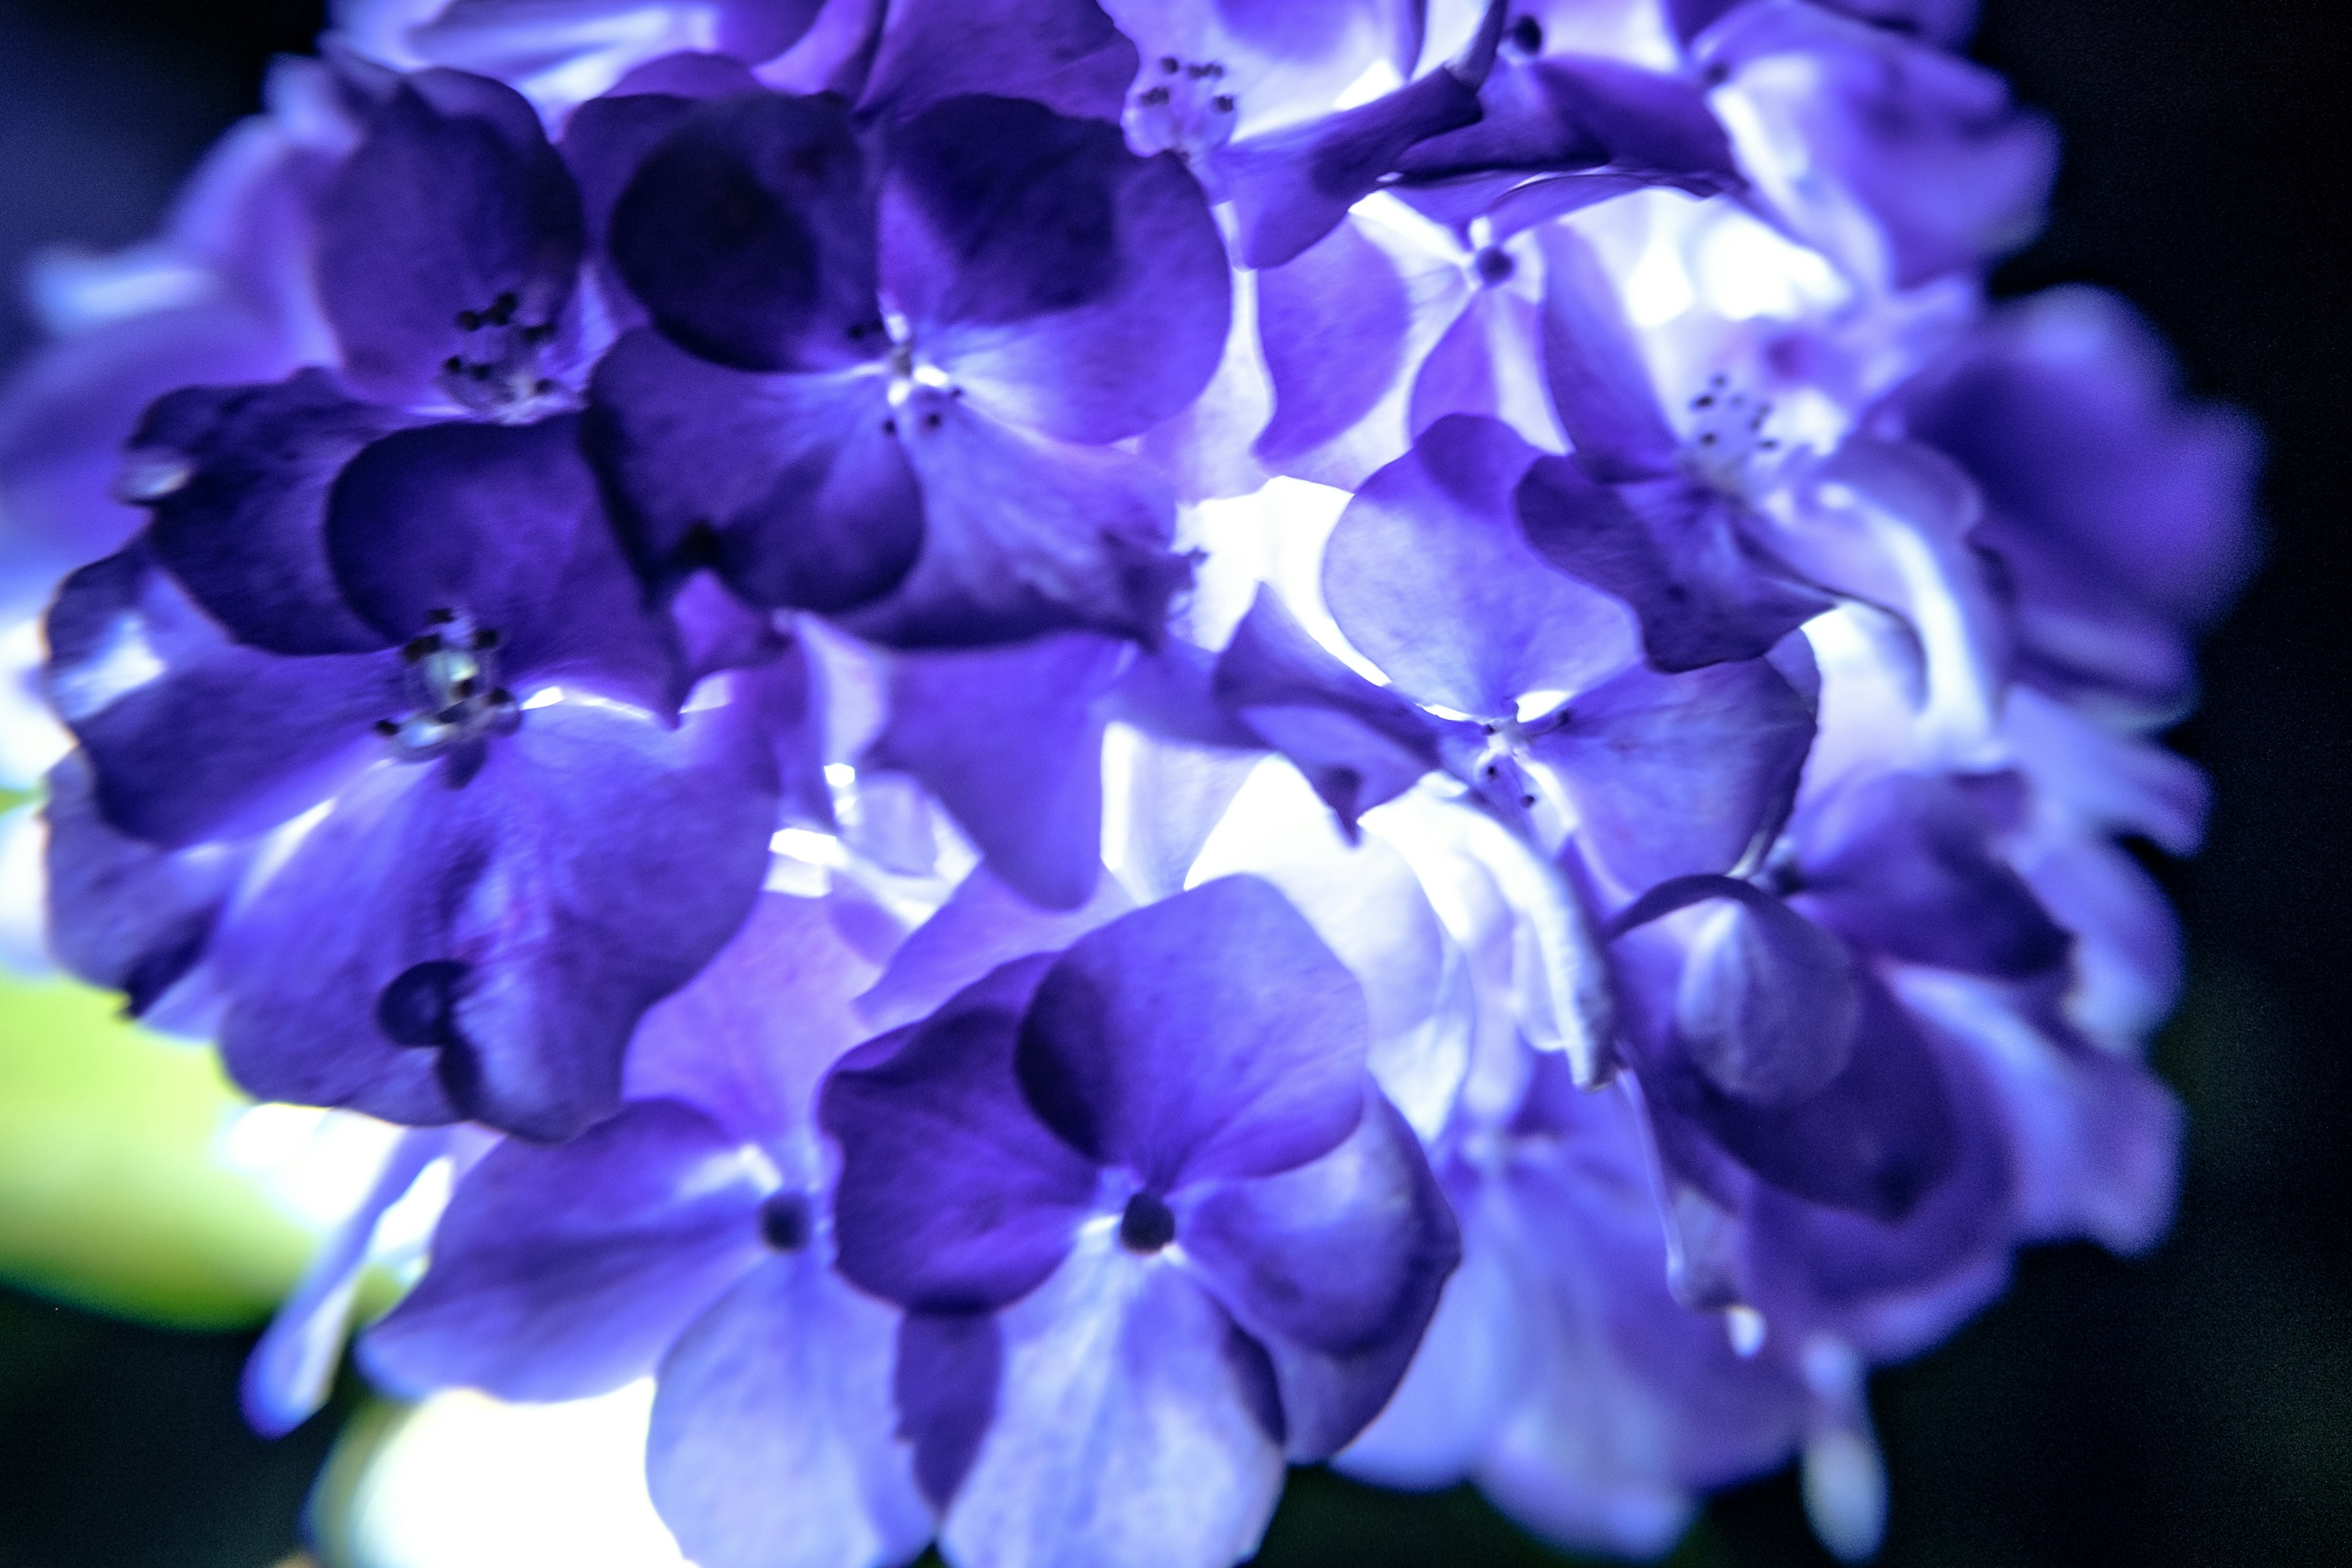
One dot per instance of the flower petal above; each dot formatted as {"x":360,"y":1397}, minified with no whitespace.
{"x":773,"y":1443}
{"x":453,"y":203}
{"x":1211,"y":1034}
{"x":747,"y":232}
{"x":1069,"y":286}
{"x":1063,"y":53}
{"x":1127,"y":1433}
{"x":563,"y":1272}
{"x":1010,"y":739}
{"x":1335,"y":1267}
{"x":503,"y":525}
{"x":952,"y":1197}
{"x":506,"y":934}
{"x":1671,"y":775}
{"x":1429,"y":574}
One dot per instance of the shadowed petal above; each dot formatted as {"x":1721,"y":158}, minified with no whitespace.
{"x":1063,"y":53}
{"x":793,"y":486}
{"x":1335,"y":1267}
{"x":952,"y":1197}
{"x":454,"y":203}
{"x":1069,"y":286}
{"x":502,"y":525}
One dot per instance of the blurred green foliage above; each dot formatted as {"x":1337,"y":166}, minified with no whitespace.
{"x":112,"y":1192}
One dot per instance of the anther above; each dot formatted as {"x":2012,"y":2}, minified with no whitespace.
{"x":786,"y":1223}
{"x":1168,"y":63}
{"x":1527,"y":36}
{"x":889,"y":426}
{"x":1154,"y":97}
{"x":1223,"y":103}
{"x":418,"y":647}
{"x":439,"y":617}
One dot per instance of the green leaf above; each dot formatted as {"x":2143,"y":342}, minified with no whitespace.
{"x":112,"y":1193}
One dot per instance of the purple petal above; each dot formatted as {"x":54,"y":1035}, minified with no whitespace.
{"x":793,"y":486}
{"x":244,"y":533}
{"x":1878,"y":1141}
{"x":1945,"y":170}
{"x":773,"y":1442}
{"x":123,"y":914}
{"x":489,"y":947}
{"x":983,"y":924}
{"x":749,"y":1039}
{"x":502,"y":525}
{"x":952,"y":1197}
{"x":453,"y":205}
{"x":1063,"y":53}
{"x":1334,"y":322}
{"x":949,"y":1365}
{"x":1671,"y":775}
{"x":1335,"y":1267}
{"x":1025,"y":535}
{"x":1766,"y":1003}
{"x":1600,"y":389}
{"x":562,"y":1272}
{"x":189,"y":735}
{"x":1069,"y":286}
{"x":1175,"y":1469}
{"x":1429,"y":574}
{"x":747,"y":232}
{"x":1290,"y":187}
{"x":1673,"y":549}
{"x":1575,"y":111}
{"x":1358,"y":744}
{"x":291,"y":1371}
{"x":1010,"y":739}
{"x":1902,"y":864}
{"x":1212,"y":1034}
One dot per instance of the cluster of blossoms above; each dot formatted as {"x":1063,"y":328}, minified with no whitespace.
{"x":1073,"y":751}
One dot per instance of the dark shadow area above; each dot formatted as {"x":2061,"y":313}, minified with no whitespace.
{"x":2192,"y":1407}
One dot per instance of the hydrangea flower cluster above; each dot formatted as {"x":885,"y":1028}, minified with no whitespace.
{"x":1075,"y":750}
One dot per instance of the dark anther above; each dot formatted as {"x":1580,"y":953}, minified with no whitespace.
{"x":1494,"y":769}
{"x":1527,"y":800}
{"x":931,"y":421}
{"x":1196,"y":70}
{"x":417,"y":648}
{"x":1485,"y":728}
{"x":785,"y":1222}
{"x":1703,"y":400}
{"x":1223,"y":103}
{"x":500,"y":697}
{"x":1527,"y":36}
{"x":543,"y":333}
{"x":1153,"y":97}
{"x":542,"y":386}
{"x":1168,"y":63}
{"x":889,"y":426}
{"x":1216,"y":71}
{"x":482,"y":372}
{"x":1147,"y":1225}
{"x":502,"y":309}
{"x":462,"y":687}
{"x":487,"y":637}
{"x":1495,"y":266}
{"x":1769,"y":446}
{"x":954,"y":393}
{"x":387,"y":727}
{"x":469,"y":321}
{"x":439,"y":617}
{"x":453,"y":365}
{"x":1707,"y":438}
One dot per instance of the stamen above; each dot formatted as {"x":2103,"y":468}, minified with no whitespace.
{"x":1147,"y":1225}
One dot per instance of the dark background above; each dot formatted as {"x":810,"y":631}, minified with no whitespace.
{"x":2191,"y":1407}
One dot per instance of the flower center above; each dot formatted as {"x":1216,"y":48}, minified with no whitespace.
{"x":1727,"y":437}
{"x":786,"y":1221}
{"x":500,"y":376}
{"x":1147,"y":1225}
{"x":452,"y":678}
{"x":1183,"y":105}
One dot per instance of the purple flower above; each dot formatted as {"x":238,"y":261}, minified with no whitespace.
{"x":884,"y":386}
{"x":458,"y":809}
{"x":1153,"y":1182}
{"x":690,"y":1238}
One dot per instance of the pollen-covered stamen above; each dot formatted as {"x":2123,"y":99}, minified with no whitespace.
{"x":452,"y":678}
{"x":1183,"y":106}
{"x":503,"y":375}
{"x":1727,"y":437}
